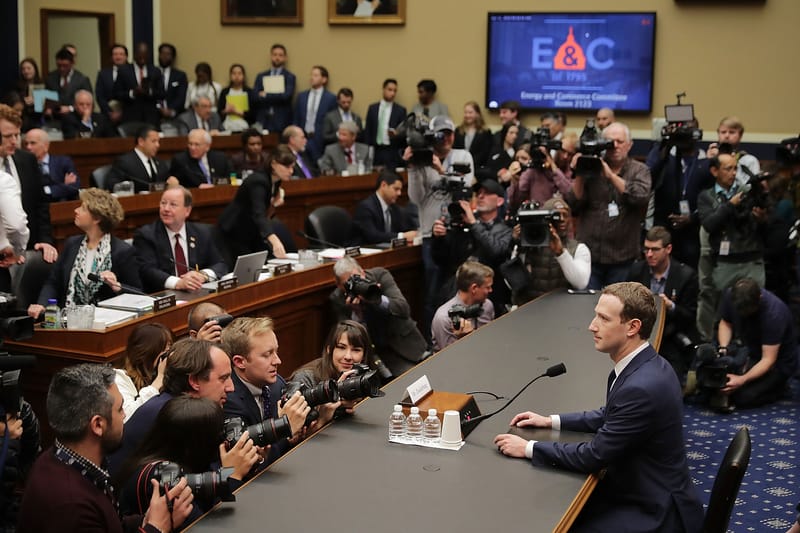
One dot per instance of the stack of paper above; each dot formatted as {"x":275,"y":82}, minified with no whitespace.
{"x":105,"y":317}
{"x":136,"y":303}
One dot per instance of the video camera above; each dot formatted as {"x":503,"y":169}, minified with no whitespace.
{"x":535,"y":224}
{"x":264,"y":433}
{"x":753,"y":192}
{"x":591,"y":145}
{"x":206,"y":486}
{"x":420,"y":137}
{"x":787,"y":152}
{"x":712,"y":365}
{"x":356,"y":286}
{"x":458,"y":189}
{"x":541,"y":138}
{"x":17,"y":327}
{"x":459,"y":311}
{"x":681,"y":129}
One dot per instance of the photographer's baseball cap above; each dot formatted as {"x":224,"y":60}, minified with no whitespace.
{"x":491,"y":187}
{"x":442,"y":123}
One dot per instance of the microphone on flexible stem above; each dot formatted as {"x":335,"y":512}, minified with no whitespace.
{"x":468,"y":425}
{"x":127,"y":288}
{"x":318,"y":241}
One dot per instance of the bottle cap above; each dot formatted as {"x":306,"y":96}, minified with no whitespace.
{"x":415,"y":410}
{"x":398,"y":408}
{"x":52,"y":301}
{"x":431,"y":412}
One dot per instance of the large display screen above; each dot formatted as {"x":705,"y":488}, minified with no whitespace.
{"x":571,"y":61}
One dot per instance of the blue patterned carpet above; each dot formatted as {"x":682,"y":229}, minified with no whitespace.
{"x":771,"y":487}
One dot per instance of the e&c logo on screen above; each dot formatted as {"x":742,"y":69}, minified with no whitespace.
{"x":570,"y":55}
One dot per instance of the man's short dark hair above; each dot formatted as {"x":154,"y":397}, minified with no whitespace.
{"x":659,"y":233}
{"x":427,"y":85}
{"x":144,"y":131}
{"x":746,"y":295}
{"x":76,"y":394}
{"x":388,"y":177}
{"x":637,"y":302}
{"x":188,"y":357}
{"x":65,"y":54}
{"x":171,"y":49}
{"x":387,"y":81}
{"x":120,"y":45}
{"x":511,"y":105}
{"x":551,"y":115}
{"x":345,"y":91}
{"x":249,"y":132}
{"x":713,"y":162}
{"x":472,"y":272}
{"x":322,"y":70}
{"x":278,"y":45}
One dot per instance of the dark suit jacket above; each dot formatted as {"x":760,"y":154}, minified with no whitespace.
{"x":242,"y":404}
{"x":190,"y":120}
{"x":397,"y":339}
{"x":34,"y":201}
{"x":310,"y":165}
{"x":136,"y":428}
{"x":72,"y":126}
{"x":480,"y":148}
{"x":104,"y":88}
{"x":330,"y":125}
{"x":639,"y":441}
{"x":368,"y":219}
{"x":397,"y":116}
{"x":128,"y":166}
{"x":327,"y":102}
{"x":123,"y":264}
{"x":139,"y":107}
{"x":177,"y":86}
{"x":188,"y":172}
{"x":244,"y":223}
{"x":154,"y":251}
{"x":274,"y":110}
{"x":59,"y":166}
{"x":66,"y":95}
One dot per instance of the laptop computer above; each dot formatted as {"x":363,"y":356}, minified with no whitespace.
{"x":246,"y":269}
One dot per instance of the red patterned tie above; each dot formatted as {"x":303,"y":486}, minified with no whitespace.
{"x":180,"y":259}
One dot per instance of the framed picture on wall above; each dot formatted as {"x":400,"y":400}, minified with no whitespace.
{"x":367,"y":12}
{"x":282,"y":12}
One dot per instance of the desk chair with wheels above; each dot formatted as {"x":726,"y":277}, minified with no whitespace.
{"x":99,"y":177}
{"x":726,"y":486}
{"x":329,"y":224}
{"x":28,"y":278}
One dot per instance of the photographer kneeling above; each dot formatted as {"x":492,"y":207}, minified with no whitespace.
{"x":468,"y":310}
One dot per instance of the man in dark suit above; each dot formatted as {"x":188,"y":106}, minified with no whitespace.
{"x":676,"y":285}
{"x":174,"y":253}
{"x":199,"y":165}
{"x":274,"y":111}
{"x":382,"y":120}
{"x":310,"y":109}
{"x":84,"y":122}
{"x":378,"y":217}
{"x":140,"y":88}
{"x":107,"y":79}
{"x":65,"y":80}
{"x":638,"y":434}
{"x":175,"y":83}
{"x":394,"y":333}
{"x":343,"y":112}
{"x":59,"y":178}
{"x":253,"y":347}
{"x":304,"y":167}
{"x":140,"y":164}
{"x":200,"y":116}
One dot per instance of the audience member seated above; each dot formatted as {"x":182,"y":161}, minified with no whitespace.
{"x":202,"y":323}
{"x":563,"y":263}
{"x":427,"y":104}
{"x":175,"y":83}
{"x":295,"y":139}
{"x":480,"y":235}
{"x":257,"y":386}
{"x":140,"y":165}
{"x":310,"y":109}
{"x":611,"y":207}
{"x":203,"y":85}
{"x":187,"y":432}
{"x":380,"y":128}
{"x":200,"y":116}
{"x":509,"y":114}
{"x":198,"y":165}
{"x":140,"y":88}
{"x":473,"y":135}
{"x":175,"y":253}
{"x":347,"y":155}
{"x":60,"y":180}
{"x":96,"y":254}
{"x":342,"y":113}
{"x":473,"y":287}
{"x":237,"y":101}
{"x":145,"y":359}
{"x":67,"y":489}
{"x":676,"y":285}
{"x":538,"y":181}
{"x":66,"y":81}
{"x":245,"y":222}
{"x":253,"y":157}
{"x":83,"y":122}
{"x":398,"y":342}
{"x":379,"y":218}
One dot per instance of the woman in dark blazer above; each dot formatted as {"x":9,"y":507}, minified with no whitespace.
{"x":95,"y":252}
{"x":502,"y":156}
{"x":473,"y":135}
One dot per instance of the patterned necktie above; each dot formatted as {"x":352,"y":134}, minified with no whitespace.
{"x":303,"y":167}
{"x":180,"y":258}
{"x":265,"y":401}
{"x":349,"y":153}
{"x":204,"y":169}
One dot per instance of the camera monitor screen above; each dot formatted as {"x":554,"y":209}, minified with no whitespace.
{"x":571,"y":61}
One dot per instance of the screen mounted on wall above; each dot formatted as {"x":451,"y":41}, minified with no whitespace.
{"x":571,"y":60}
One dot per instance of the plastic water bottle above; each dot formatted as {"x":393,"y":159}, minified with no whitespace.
{"x":414,"y":425}
{"x":432,"y":429}
{"x":52,"y":314}
{"x":397,"y":422}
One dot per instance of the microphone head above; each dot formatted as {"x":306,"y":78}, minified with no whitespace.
{"x":556,"y":370}
{"x":94,"y":277}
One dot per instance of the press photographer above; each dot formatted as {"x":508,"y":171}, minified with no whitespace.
{"x":473,"y":286}
{"x":540,"y":179}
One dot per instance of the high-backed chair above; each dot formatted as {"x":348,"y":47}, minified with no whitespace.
{"x":331,"y":225}
{"x":99,"y":177}
{"x":130,"y":129}
{"x":29,"y":277}
{"x":726,"y":486}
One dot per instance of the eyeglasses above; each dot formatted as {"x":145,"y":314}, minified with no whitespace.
{"x":653,"y":249}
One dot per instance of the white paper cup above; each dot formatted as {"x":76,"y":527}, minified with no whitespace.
{"x":451,"y":427}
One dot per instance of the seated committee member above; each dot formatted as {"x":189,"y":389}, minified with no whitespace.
{"x":763,"y":325}
{"x":145,"y":360}
{"x":253,"y":157}
{"x":140,"y":165}
{"x":638,"y":434}
{"x":257,"y":386}
{"x":245,"y":223}
{"x":60,"y":181}
{"x":201,"y":116}
{"x":67,"y":489}
{"x":198,"y":165}
{"x":379,"y":218}
{"x":347,"y":155}
{"x":473,"y":285}
{"x":173,"y":252}
{"x":305,"y":167}
{"x":388,"y":320}
{"x":83,"y":122}
{"x":96,"y":253}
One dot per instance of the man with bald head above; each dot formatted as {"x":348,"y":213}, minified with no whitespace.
{"x":605,"y":116}
{"x":60,"y":180}
{"x":611,"y":204}
{"x":83,"y":122}
{"x":198,"y":166}
{"x":295,"y":138}
{"x":347,"y":153}
{"x":201,"y":116}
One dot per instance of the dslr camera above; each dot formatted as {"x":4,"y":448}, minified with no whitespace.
{"x":459,"y":311}
{"x":681,"y":129}
{"x":360,"y":384}
{"x":206,"y":486}
{"x":541,"y":137}
{"x":535,"y":224}
{"x":356,"y":286}
{"x":222,"y":320}
{"x":264,"y":433}
{"x":322,"y":392}
{"x":591,"y":145}
{"x":753,"y":192}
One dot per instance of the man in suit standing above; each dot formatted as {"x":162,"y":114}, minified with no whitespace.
{"x":201,"y":116}
{"x":198,"y":165}
{"x":257,"y":386}
{"x":380,"y":130}
{"x":310,"y":109}
{"x":66,"y":81}
{"x":378,"y":216}
{"x":676,"y":285}
{"x":275,"y":103}
{"x":140,"y":88}
{"x":140,"y":164}
{"x":83,"y":121}
{"x":343,"y":111}
{"x":175,"y":83}
{"x":304,"y":167}
{"x":107,"y":79}
{"x":60,"y":179}
{"x":394,"y":333}
{"x":638,"y":434}
{"x":347,"y":154}
{"x":174,"y":253}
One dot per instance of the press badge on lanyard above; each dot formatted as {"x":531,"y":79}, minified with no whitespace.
{"x":613,"y":210}
{"x":684,"y":207}
{"x":724,"y":247}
